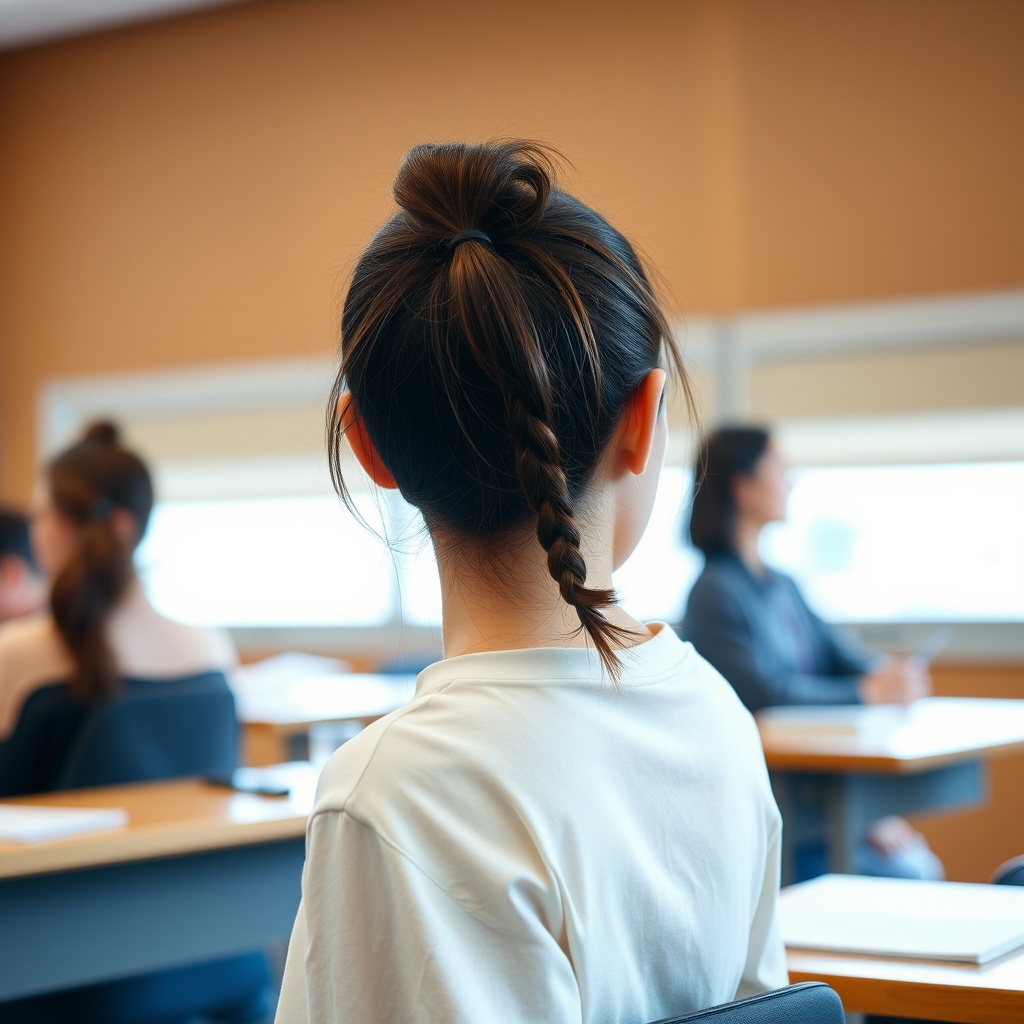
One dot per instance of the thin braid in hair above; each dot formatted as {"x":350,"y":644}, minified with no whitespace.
{"x":495,"y":321}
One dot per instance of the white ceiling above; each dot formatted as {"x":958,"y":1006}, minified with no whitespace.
{"x":23,"y":22}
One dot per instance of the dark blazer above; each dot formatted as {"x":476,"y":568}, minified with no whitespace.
{"x":760,"y":634}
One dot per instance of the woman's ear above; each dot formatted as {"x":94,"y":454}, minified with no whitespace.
{"x":360,"y":443}
{"x":634,"y":437}
{"x":125,"y":526}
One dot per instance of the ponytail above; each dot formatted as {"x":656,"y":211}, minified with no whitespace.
{"x":493,"y":333}
{"x":88,"y":483}
{"x":82,"y":596}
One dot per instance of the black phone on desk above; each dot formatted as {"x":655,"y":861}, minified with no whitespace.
{"x":248,"y":780}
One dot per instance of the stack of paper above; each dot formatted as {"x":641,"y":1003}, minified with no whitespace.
{"x":24,"y":824}
{"x":955,"y":921}
{"x":854,"y":720}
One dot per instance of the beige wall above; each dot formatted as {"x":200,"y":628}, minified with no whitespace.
{"x":911,"y":380}
{"x":194,"y":190}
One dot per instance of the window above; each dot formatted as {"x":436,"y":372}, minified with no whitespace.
{"x":906,"y":543}
{"x":286,"y":561}
{"x":306,"y":561}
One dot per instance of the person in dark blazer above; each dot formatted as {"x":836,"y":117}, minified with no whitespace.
{"x":753,"y":624}
{"x":22,"y":587}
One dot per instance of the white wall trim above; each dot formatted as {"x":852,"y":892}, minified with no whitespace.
{"x":68,"y":403}
{"x":730,"y":347}
{"x":956,"y":435}
{"x":915,"y":323}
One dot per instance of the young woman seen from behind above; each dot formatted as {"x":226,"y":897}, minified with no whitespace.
{"x":571,"y":820}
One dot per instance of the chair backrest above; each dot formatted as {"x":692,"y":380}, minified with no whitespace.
{"x":1010,"y":873}
{"x":155,"y":729}
{"x":811,"y":1002}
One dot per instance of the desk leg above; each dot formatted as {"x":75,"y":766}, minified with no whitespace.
{"x":862,"y":799}
{"x":839,"y":807}
{"x":803,"y":800}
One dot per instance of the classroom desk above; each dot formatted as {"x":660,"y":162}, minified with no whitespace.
{"x":277,"y":721}
{"x":834,"y":787}
{"x":202,"y":872}
{"x":198,"y":872}
{"x":991,"y":993}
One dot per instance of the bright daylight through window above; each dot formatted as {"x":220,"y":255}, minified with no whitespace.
{"x":883,"y":544}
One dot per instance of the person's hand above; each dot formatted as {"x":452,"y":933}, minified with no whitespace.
{"x":893,"y":835}
{"x":896,"y":681}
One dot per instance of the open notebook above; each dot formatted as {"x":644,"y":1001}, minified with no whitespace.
{"x":954,"y":921}
{"x":20,"y":823}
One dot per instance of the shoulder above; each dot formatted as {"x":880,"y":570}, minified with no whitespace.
{"x":30,"y":644}
{"x":721,"y":573}
{"x":434,"y":792}
{"x":211,"y":648}
{"x":721,"y":586}
{"x":386,"y":769}
{"x":148,"y":644}
{"x":788,"y":583}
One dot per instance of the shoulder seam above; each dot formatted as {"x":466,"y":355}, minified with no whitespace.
{"x":408,"y":859}
{"x":395,"y":716}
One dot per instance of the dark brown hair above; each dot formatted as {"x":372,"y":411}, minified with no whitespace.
{"x":88,"y":482}
{"x":724,"y":455}
{"x":491,"y":369}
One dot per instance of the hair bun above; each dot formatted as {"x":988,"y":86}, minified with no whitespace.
{"x":103,"y":431}
{"x":501,"y":188}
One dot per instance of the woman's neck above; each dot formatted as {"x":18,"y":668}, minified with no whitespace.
{"x":745,"y":542}
{"x":501,"y":597}
{"x":133,"y":603}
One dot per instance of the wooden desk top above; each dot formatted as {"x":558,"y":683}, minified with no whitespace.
{"x":165,"y":819}
{"x":934,"y":732}
{"x":990,"y":994}
{"x":838,"y":909}
{"x":327,"y":698}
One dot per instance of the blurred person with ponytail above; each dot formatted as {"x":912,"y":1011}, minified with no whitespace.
{"x":571,"y":820}
{"x":90,"y":512}
{"x":752,"y":623}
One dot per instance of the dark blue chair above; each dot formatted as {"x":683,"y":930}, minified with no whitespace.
{"x":1010,"y":873}
{"x":149,"y":730}
{"x":811,"y":1002}
{"x":154,"y":730}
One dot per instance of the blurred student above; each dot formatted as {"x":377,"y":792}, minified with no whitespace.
{"x":753,"y":624}
{"x":22,"y":587}
{"x":571,"y":820}
{"x":90,"y":512}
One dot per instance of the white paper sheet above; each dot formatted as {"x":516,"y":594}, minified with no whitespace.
{"x":26,"y":824}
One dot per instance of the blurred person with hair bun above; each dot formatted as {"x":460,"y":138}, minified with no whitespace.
{"x":90,"y":511}
{"x":100,"y":635}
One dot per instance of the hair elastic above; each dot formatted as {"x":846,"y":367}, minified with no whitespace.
{"x":472,"y":235}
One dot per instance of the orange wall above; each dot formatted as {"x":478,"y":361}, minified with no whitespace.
{"x":194,"y":189}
